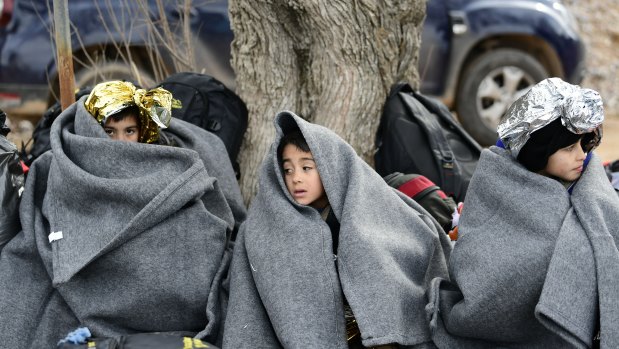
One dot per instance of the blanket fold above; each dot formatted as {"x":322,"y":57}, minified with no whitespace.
{"x":590,"y":235}
{"x":211,"y":150}
{"x":286,"y":286}
{"x":116,"y":237}
{"x":533,"y":265}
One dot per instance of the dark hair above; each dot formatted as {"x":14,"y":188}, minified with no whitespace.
{"x":295,"y":138}
{"x":545,"y":142}
{"x":123,"y":113}
{"x":4,"y":129}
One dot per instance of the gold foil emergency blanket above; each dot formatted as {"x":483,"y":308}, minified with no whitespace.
{"x":581,"y":111}
{"x":155,"y":106}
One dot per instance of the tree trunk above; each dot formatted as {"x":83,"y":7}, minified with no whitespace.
{"x":331,"y":62}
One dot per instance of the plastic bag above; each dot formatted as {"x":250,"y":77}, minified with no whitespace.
{"x":11,"y":186}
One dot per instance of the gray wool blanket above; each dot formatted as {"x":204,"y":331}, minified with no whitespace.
{"x":533,"y":267}
{"x":119,"y":237}
{"x":286,"y":288}
{"x":213,"y":153}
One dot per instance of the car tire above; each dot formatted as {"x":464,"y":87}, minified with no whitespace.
{"x":113,"y":71}
{"x":105,"y":71}
{"x":489,"y":85}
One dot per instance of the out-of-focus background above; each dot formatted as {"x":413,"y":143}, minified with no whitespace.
{"x":597,"y":21}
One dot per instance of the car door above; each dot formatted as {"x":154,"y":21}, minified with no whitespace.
{"x":435,"y":48}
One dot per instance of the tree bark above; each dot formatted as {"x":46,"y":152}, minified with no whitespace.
{"x":331,"y":62}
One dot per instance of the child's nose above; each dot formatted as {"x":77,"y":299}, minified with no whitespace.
{"x":296,"y":177}
{"x":581,"y":153}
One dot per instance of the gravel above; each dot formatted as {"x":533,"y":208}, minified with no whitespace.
{"x":597,"y":20}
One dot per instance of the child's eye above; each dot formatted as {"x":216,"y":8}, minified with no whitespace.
{"x":307,"y":168}
{"x":131,"y":131}
{"x":570,"y":147}
{"x":287,"y":171}
{"x":109,"y":131}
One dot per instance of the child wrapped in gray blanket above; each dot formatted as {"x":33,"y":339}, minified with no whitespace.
{"x":120,"y":237}
{"x":117,"y":107}
{"x":536,"y":264}
{"x":329,"y":252}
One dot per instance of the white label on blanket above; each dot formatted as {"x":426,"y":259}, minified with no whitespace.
{"x":55,"y":235}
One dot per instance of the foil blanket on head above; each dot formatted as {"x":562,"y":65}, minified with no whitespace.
{"x":580,"y":109}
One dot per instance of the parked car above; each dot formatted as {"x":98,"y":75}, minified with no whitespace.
{"x":106,"y":35}
{"x":477,"y":56}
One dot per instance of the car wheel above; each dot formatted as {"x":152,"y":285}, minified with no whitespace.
{"x":90,"y":76}
{"x":489,"y":85}
{"x":105,"y":71}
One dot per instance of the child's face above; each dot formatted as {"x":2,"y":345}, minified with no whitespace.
{"x":126,"y":129}
{"x":566,"y":163}
{"x":302,"y":177}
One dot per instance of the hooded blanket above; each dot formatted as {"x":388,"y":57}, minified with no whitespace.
{"x":116,"y":236}
{"x":533,"y":266}
{"x":286,"y":288}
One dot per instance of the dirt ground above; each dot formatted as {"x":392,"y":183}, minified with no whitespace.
{"x":596,"y":21}
{"x":609,"y":149}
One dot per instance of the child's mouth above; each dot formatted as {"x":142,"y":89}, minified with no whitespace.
{"x":299,"y":192}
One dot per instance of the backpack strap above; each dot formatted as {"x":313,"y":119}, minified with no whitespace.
{"x":427,"y":194}
{"x":419,"y":186}
{"x":444,"y":114}
{"x":438,"y":143}
{"x":400,"y":86}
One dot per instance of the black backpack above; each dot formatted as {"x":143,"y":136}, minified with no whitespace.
{"x":208,"y":103}
{"x":427,"y":194}
{"x":419,"y":135}
{"x":11,"y":185}
{"x":40,"y":135}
